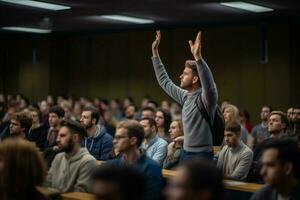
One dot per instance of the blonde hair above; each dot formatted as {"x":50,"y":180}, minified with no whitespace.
{"x":234,"y":112}
{"x":180,"y":126}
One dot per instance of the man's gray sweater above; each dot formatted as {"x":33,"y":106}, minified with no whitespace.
{"x":197,"y":134}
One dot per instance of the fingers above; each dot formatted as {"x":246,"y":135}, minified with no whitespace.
{"x":158,"y":35}
{"x":191,"y":43}
{"x":198,"y":38}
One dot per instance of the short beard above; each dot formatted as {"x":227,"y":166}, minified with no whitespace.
{"x":69,"y":147}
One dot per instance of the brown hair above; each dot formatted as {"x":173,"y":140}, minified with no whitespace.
{"x":24,"y":168}
{"x":234,"y":127}
{"x":134,"y":129}
{"x":283,"y":118}
{"x":24,"y":119}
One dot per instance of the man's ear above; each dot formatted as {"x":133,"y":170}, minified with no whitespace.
{"x":94,"y":121}
{"x":133,"y":140}
{"x":195,"y":79}
{"x":76,"y":138}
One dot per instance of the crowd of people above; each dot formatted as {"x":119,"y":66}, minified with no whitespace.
{"x":59,"y":142}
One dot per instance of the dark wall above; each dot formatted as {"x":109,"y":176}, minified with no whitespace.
{"x":113,"y":65}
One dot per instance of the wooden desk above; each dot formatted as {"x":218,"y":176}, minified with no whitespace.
{"x":228,"y":184}
{"x":77,"y":196}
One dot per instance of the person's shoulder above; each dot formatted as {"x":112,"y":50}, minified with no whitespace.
{"x":264,"y":193}
{"x":161,"y":141}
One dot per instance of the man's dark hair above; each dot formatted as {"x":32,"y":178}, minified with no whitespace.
{"x":134,"y":129}
{"x":95,"y":114}
{"x":234,"y":127}
{"x":288,"y":151}
{"x":151,"y":121}
{"x":58,"y":111}
{"x":283,"y":118}
{"x":131,"y":183}
{"x":203,"y":175}
{"x":153,"y":102}
{"x":75,"y":128}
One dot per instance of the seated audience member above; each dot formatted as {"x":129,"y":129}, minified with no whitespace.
{"x":38,"y":131}
{"x":20,"y":124}
{"x":231,"y":114}
{"x":148,"y":112}
{"x":22,"y":168}
{"x":277,"y":126}
{"x":71,"y":170}
{"x":235,"y":157}
{"x":280,"y":171}
{"x":56,"y":115}
{"x":196,"y":180}
{"x":260,"y":131}
{"x":163,"y":120}
{"x":165,"y":106}
{"x":156,"y":147}
{"x":175,"y":147}
{"x":128,"y":138}
{"x":4,"y":126}
{"x":293,"y":131}
{"x":44,"y":108}
{"x":130,"y":112}
{"x":98,"y":141}
{"x":245,"y":119}
{"x":118,"y":183}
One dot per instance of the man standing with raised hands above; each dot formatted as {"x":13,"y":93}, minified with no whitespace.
{"x":196,"y":81}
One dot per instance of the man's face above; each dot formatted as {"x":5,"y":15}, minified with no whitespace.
{"x":232,"y":139}
{"x":15,"y":127}
{"x":148,"y":130}
{"x":264,"y":114}
{"x":186,"y":78}
{"x":272,"y":170}
{"x":290,"y":114}
{"x":148,"y":114}
{"x":121,"y":140}
{"x":65,"y":140}
{"x":106,"y":190}
{"x":159,"y":119}
{"x":130,"y":112}
{"x":86,"y":119}
{"x":296,"y":115}
{"x":35,"y":117}
{"x":54,"y":120}
{"x":44,"y":108}
{"x":275,"y":124}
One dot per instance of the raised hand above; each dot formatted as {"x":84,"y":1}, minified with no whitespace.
{"x":196,"y":47}
{"x":155,"y":44}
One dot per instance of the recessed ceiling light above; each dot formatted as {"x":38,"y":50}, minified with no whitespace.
{"x":37,"y":4}
{"x":26,"y":29}
{"x":124,"y":18}
{"x":247,"y":6}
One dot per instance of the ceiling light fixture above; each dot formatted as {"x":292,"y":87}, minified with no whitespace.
{"x":26,"y":29}
{"x":37,"y":4}
{"x":124,"y":18}
{"x":247,"y":6}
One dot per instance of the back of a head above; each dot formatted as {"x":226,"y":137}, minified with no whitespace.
{"x":204,"y":176}
{"x":23,"y":168}
{"x":127,"y":182}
